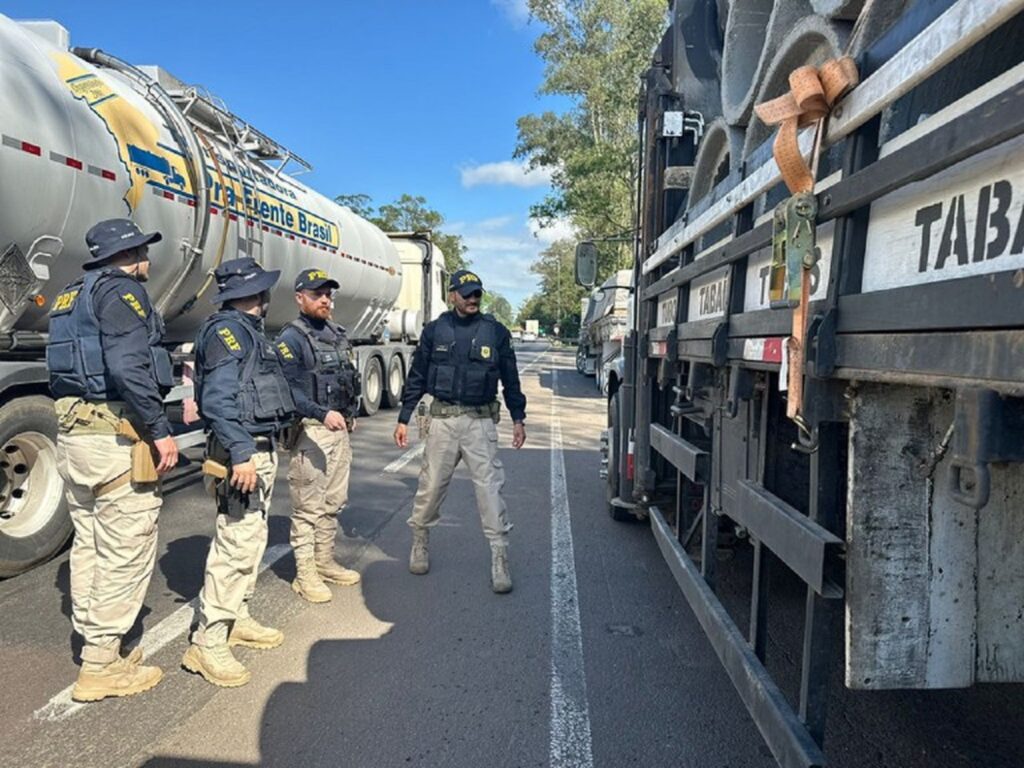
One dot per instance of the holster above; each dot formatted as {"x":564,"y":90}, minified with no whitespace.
{"x":495,"y":407}
{"x":422,"y":420}
{"x":144,"y":454}
{"x":217,"y":464}
{"x":290,"y":435}
{"x":215,"y":469}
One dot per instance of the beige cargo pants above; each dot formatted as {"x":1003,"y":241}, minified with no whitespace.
{"x":114,"y":547}
{"x":473,"y":439}
{"x":239,"y":541}
{"x":318,"y":475}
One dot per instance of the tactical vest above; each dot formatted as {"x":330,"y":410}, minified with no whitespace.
{"x":265,"y":402}
{"x":335,"y":379}
{"x":454,"y":379}
{"x":74,"y":354}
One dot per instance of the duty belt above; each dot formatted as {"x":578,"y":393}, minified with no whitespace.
{"x":83,"y":417}
{"x":440,"y":410}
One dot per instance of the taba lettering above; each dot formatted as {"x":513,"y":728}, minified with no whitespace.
{"x":970,"y":228}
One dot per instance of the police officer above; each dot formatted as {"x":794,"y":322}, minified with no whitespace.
{"x":460,"y":359}
{"x":318,"y":361}
{"x":109,"y":374}
{"x":245,"y":399}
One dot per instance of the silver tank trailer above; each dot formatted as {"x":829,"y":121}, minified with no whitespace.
{"x":86,"y":138}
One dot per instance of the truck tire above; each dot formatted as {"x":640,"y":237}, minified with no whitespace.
{"x":373,"y":387}
{"x":394,"y":382}
{"x":34,"y":519}
{"x":617,"y":513}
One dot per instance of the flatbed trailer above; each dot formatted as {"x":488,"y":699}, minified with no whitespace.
{"x":896,"y":498}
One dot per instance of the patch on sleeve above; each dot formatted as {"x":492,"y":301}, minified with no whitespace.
{"x":285,"y":351}
{"x":130,"y":299}
{"x":64,"y":301}
{"x":228,"y":338}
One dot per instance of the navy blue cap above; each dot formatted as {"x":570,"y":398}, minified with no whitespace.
{"x":114,"y":236}
{"x":465,"y":282}
{"x":312,"y":278}
{"x":239,"y":278}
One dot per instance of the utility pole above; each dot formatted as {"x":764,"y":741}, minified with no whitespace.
{"x":558,"y":291}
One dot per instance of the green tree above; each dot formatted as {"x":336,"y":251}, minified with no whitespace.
{"x":498,"y":306}
{"x":410,"y":213}
{"x":594,"y":53}
{"x":558,"y":299}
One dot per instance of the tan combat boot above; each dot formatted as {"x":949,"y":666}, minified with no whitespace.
{"x":308,"y":585}
{"x":419,"y":557}
{"x":501,"y":579}
{"x":216,"y":665}
{"x":118,"y":678}
{"x":250,"y":633}
{"x":335,"y":573}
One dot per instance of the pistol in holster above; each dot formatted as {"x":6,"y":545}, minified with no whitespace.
{"x":217,"y":466}
{"x":144,"y":453}
{"x":495,"y":408}
{"x":423,"y":420}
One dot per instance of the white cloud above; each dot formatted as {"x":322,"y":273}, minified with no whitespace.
{"x":559,"y":229}
{"x":505,"y":173}
{"x":516,"y":11}
{"x":501,"y":249}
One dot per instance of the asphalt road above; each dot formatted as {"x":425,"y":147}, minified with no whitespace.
{"x":593,"y":660}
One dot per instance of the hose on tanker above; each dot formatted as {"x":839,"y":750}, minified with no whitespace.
{"x":157,"y":96}
{"x":191,"y":302}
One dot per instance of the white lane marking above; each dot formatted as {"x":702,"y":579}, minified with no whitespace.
{"x":405,"y":458}
{"x":570,"y":719}
{"x":537,"y":360}
{"x":61,"y":707}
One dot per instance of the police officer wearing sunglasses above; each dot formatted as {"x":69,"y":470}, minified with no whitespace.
{"x":319,"y":362}
{"x":460,"y":359}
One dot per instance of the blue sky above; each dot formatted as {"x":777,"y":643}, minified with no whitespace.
{"x":380,"y":96}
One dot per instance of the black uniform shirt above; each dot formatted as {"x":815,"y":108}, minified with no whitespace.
{"x":465,"y":331}
{"x":123,"y":308}
{"x":297,"y":361}
{"x":227,"y":348}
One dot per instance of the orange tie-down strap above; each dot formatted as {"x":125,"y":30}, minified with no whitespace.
{"x":813,"y":92}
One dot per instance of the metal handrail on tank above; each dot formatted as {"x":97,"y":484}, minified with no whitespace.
{"x":178,"y":124}
{"x":202,"y":108}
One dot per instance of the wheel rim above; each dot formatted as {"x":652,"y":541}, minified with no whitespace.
{"x":395,"y":379}
{"x":30,"y":485}
{"x":373,"y":384}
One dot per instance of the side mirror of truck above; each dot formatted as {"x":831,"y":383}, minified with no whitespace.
{"x":586,"y":264}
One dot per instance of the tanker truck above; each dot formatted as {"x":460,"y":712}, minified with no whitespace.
{"x":820,"y":410}
{"x":85,"y":136}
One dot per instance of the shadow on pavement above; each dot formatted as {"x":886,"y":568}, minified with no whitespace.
{"x":183,"y":565}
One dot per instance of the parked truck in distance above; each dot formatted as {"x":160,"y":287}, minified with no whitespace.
{"x":828,"y":385}
{"x":604,"y":327}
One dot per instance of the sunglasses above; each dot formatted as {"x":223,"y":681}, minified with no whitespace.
{"x":474,"y":295}
{"x":319,"y":293}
